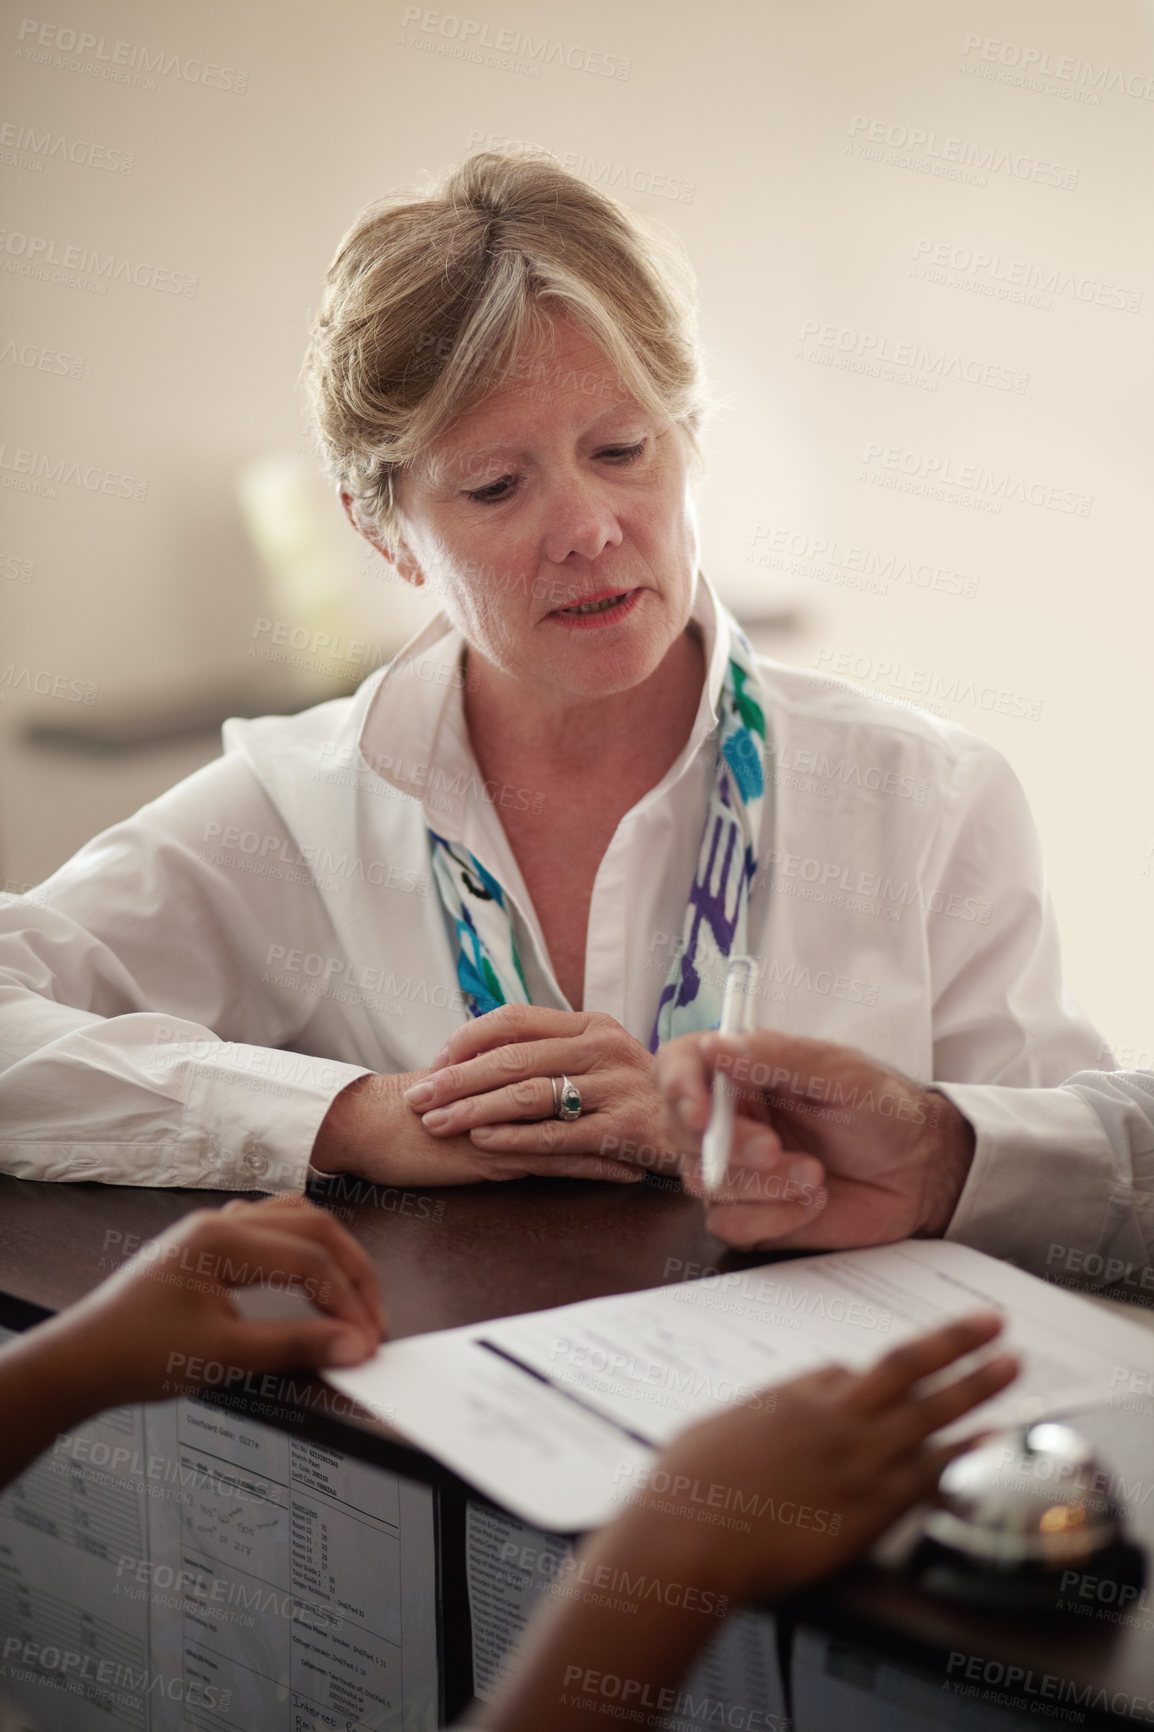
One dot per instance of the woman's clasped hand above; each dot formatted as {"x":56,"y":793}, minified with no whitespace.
{"x":494,"y":1082}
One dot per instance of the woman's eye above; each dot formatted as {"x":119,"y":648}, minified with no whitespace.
{"x":494,"y":491}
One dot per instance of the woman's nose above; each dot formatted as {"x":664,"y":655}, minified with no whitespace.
{"x":579,"y":519}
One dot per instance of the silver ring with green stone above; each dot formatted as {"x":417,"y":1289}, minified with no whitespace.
{"x":566,"y":1099}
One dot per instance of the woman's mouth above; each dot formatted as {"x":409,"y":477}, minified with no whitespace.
{"x":606,"y":610}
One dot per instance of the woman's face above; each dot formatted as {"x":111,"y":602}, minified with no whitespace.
{"x":555,"y":491}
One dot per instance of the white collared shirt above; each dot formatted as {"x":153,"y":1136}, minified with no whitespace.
{"x":181,"y":1001}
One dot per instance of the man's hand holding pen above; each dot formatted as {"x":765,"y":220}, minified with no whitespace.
{"x":829,"y":1148}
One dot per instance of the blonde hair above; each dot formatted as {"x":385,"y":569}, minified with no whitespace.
{"x":430,"y":298}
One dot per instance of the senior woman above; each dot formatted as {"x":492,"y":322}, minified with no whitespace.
{"x":435,"y":932}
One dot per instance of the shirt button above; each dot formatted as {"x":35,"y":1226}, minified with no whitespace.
{"x":254,"y":1158}
{"x":211,"y":1153}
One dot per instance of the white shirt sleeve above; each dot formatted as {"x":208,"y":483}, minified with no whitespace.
{"x":1062,"y":1181}
{"x":139,"y":1039}
{"x":1001,"y":1012}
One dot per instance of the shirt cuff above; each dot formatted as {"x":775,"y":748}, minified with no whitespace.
{"x":1040,"y":1178}
{"x":252,"y":1127}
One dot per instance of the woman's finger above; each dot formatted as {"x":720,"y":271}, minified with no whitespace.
{"x":592,"y":1135}
{"x":504,"y":1065}
{"x":893,"y":1377}
{"x":530,"y":1099}
{"x":509,"y":1023}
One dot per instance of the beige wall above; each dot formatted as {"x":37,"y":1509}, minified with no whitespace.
{"x":814,"y":214}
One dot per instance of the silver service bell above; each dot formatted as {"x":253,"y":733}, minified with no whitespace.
{"x":1016,"y":1515}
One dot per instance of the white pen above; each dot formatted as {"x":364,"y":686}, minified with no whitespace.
{"x":736,"y":1018}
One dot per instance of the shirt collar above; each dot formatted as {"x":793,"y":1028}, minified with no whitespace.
{"x":415,"y":717}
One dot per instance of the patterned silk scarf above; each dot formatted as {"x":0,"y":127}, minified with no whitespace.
{"x":488,"y":967}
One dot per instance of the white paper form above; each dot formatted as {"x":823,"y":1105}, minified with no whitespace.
{"x":552,"y":1413}
{"x":505,"y":1431}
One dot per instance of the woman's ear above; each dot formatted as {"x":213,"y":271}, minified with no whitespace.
{"x":402,"y":560}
